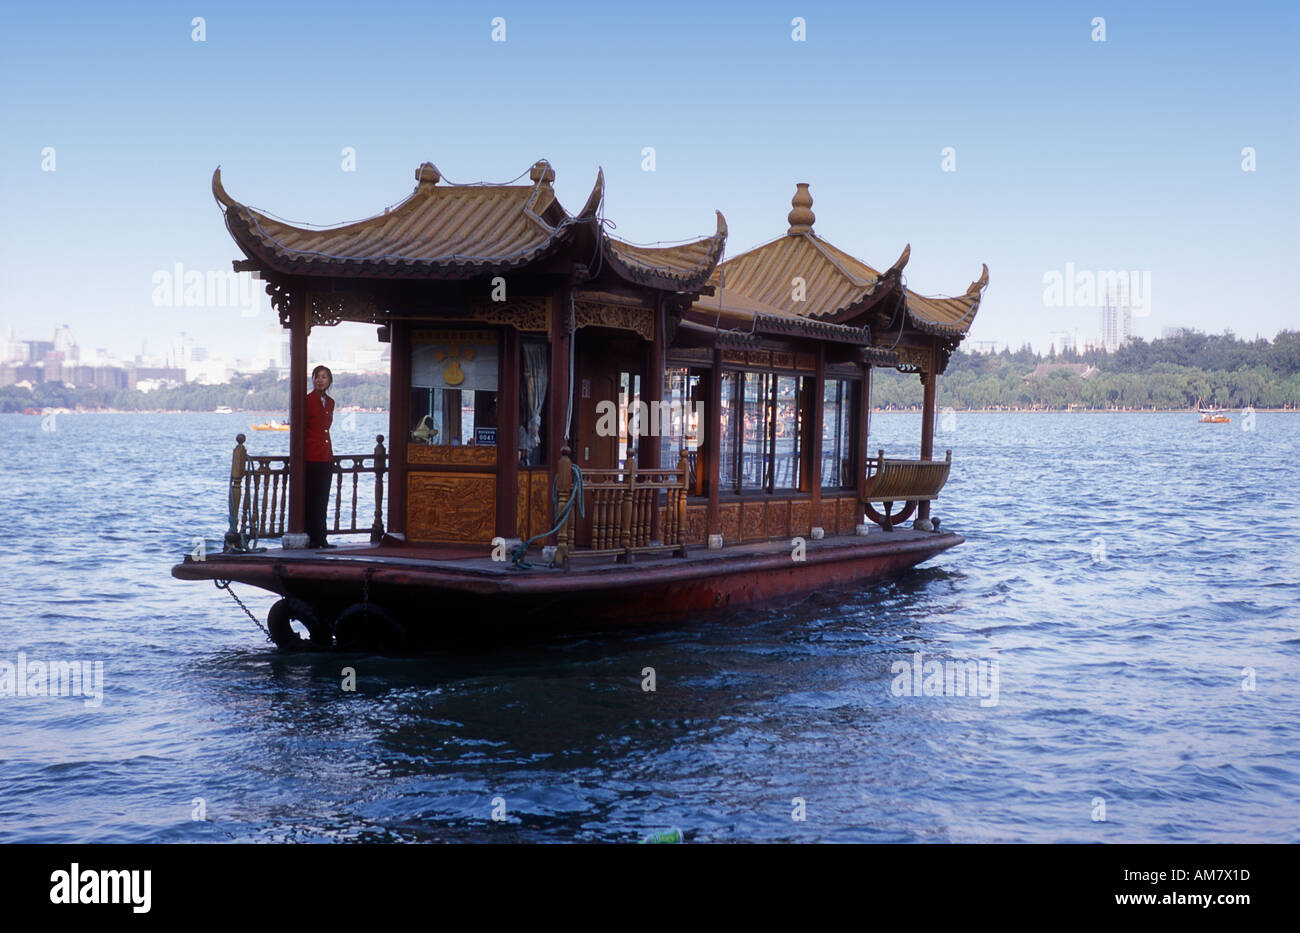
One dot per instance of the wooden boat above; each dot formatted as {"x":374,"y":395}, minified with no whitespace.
{"x":1213,"y":414}
{"x":271,"y":425}
{"x":584,"y":431}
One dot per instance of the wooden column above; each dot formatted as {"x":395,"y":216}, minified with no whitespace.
{"x":713,"y":445}
{"x":860,"y":435}
{"x":508,"y":435}
{"x":399,"y":422}
{"x":931,"y":378}
{"x":652,"y":391}
{"x":560,"y":378}
{"x":867,"y":377}
{"x":298,"y":390}
{"x":817,"y":426}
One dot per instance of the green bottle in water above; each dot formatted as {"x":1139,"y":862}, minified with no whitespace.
{"x":668,"y":836}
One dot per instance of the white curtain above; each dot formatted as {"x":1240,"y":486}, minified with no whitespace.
{"x":534,"y":395}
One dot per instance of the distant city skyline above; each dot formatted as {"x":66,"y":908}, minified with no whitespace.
{"x":1058,"y":151}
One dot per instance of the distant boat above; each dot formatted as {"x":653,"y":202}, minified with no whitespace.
{"x":223,"y":410}
{"x":1212,"y":414}
{"x":271,"y":425}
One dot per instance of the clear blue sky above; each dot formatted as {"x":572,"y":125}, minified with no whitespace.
{"x":1123,"y":154}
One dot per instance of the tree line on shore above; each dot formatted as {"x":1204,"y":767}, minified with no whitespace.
{"x":1169,"y":373}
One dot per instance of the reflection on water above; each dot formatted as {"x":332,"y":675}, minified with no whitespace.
{"x":1126,"y":590}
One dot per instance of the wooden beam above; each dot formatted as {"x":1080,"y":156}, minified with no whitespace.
{"x":298,"y":312}
{"x":508,"y":435}
{"x":652,"y":390}
{"x":713,"y":444}
{"x":931,"y":376}
{"x":557,"y":428}
{"x":816,"y":427}
{"x":860,"y":433}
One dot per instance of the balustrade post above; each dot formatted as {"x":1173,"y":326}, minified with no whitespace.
{"x":625,"y":511}
{"x":238,"y":467}
{"x":564,"y":491}
{"x":377,"y":529}
{"x":683,"y":466}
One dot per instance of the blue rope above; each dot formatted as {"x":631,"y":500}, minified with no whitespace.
{"x":576,"y":496}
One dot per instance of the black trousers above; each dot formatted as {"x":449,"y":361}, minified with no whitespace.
{"x":320,"y":476}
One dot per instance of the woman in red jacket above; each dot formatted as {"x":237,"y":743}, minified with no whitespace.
{"x":320,"y":456}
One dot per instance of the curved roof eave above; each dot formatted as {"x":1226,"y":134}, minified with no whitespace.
{"x":685,"y":267}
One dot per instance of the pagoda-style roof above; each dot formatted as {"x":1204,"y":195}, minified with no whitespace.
{"x":444,"y":231}
{"x":837,"y":287}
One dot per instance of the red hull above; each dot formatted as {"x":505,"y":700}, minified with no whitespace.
{"x":438,"y":597}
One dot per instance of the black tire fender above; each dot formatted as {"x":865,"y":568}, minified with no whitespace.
{"x":365,"y":626}
{"x":288,"y":609}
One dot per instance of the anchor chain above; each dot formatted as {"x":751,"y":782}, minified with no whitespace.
{"x":225,"y":585}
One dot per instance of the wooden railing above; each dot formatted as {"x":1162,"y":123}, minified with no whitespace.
{"x":259,"y":492}
{"x":621,"y":505}
{"x":906,"y":481}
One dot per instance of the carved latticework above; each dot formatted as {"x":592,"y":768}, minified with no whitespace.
{"x":281,"y":300}
{"x":329,"y":308}
{"x":527,"y":313}
{"x":597,"y":314}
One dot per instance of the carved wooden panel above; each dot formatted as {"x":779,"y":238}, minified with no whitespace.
{"x":451,"y":507}
{"x":733,"y":356}
{"x":752,"y":524}
{"x":521,"y":507}
{"x":782,"y":360}
{"x":850,"y":514}
{"x":758,"y":357}
{"x":830,"y":515}
{"x":800,"y":517}
{"x":778,"y":518}
{"x":445,"y":454}
{"x":730,"y":522}
{"x":539,"y":501}
{"x":805,"y":361}
{"x":697,"y":524}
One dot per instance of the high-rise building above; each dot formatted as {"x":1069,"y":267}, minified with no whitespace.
{"x":1116,"y":318}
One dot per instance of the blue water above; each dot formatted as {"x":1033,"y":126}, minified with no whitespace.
{"x":1130,"y":574}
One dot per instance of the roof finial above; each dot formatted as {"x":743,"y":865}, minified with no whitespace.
{"x":428,"y":174}
{"x":801,"y":216}
{"x":542,"y":171}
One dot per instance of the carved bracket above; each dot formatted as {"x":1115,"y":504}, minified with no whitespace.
{"x":525,"y":314}
{"x":594,"y":314}
{"x":328,"y":308}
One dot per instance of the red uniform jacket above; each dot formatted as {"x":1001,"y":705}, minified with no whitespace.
{"x":319,"y":420}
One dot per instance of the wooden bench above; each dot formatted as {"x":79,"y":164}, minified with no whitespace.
{"x":906,"y":481}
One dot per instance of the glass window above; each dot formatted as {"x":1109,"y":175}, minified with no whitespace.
{"x":839,"y":413}
{"x":729,"y":427}
{"x":454,"y":387}
{"x":680,"y":420}
{"x":756,"y":444}
{"x":789,"y":427}
{"x":630,"y":412}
